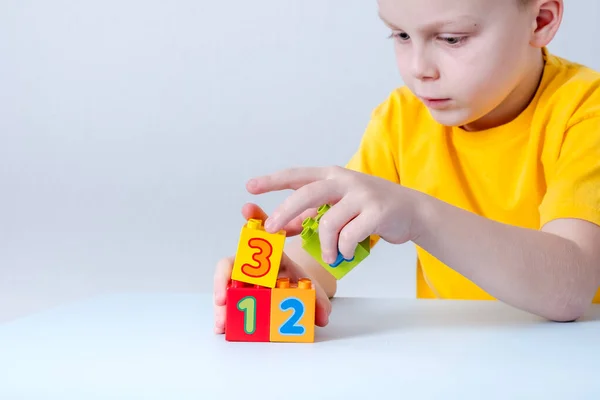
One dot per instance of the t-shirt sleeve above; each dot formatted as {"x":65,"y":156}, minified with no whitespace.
{"x":573,"y":187}
{"x":376,"y":154}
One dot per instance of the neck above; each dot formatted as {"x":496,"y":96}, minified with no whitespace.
{"x":516,"y":102}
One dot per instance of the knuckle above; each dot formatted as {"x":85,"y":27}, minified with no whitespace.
{"x":224,"y":267}
{"x":328,"y":229}
{"x":225,"y":263}
{"x":325,"y":223}
{"x":285,"y":205}
{"x":365,"y":196}
{"x":334,"y":170}
{"x":346,"y":235}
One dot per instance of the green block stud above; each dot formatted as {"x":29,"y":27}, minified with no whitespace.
{"x":312,"y":245}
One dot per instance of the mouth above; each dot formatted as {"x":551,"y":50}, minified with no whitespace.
{"x":434,"y":102}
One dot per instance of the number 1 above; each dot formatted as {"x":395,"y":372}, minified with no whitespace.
{"x":247,"y":305}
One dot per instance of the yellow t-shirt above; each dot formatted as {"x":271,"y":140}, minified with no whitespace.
{"x":543,"y":165}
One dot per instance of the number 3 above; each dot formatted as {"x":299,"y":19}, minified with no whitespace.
{"x":289,"y":327}
{"x":265,"y":250}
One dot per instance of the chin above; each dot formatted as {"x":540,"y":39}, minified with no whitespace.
{"x":453,"y":118}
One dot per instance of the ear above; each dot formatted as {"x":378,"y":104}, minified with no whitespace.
{"x":548,"y":19}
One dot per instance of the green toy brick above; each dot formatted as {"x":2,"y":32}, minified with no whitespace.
{"x":312,"y":244}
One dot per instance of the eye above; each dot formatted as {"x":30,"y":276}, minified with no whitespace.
{"x":403,"y":36}
{"x":453,"y":40}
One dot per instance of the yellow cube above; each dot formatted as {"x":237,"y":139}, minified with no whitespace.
{"x":258,"y":255}
{"x":293,"y":311}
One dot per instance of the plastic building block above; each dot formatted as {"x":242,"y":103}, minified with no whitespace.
{"x":340,"y":258}
{"x":258,"y":255}
{"x":293,"y":311}
{"x":248,"y":313}
{"x":312,"y":244}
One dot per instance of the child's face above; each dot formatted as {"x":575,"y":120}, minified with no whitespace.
{"x":463,"y":58}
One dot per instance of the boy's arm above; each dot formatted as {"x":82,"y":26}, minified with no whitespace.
{"x":553,"y":273}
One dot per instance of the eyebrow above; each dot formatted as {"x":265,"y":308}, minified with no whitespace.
{"x":388,"y":23}
{"x":436,"y":24}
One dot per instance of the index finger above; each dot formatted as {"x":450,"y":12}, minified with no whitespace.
{"x":291,"y":178}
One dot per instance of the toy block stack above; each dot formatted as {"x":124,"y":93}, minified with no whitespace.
{"x":261,"y":307}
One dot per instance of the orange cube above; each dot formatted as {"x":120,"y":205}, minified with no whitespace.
{"x":293,"y":311}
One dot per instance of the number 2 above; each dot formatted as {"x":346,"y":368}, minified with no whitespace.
{"x":247,"y":305}
{"x":289,"y":327}
{"x":261,"y":257}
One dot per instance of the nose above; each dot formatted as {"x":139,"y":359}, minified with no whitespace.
{"x":423,"y":65}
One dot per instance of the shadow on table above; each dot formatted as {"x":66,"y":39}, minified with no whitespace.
{"x":353,"y":317}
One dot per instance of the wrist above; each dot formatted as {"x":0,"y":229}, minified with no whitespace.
{"x":422,"y":211}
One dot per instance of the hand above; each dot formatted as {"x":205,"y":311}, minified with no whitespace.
{"x":288,"y":268}
{"x":362,"y":205}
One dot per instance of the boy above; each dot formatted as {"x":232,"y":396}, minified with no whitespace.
{"x":488,"y":159}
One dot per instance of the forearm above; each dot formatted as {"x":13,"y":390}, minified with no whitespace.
{"x":310,"y":266}
{"x":535,"y":271}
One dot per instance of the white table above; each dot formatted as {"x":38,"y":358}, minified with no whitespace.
{"x":161,"y":346}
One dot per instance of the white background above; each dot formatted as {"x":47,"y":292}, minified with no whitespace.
{"x":128,"y":129}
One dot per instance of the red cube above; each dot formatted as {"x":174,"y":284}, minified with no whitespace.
{"x":248,"y":313}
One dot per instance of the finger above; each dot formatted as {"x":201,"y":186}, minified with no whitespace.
{"x":220,"y":315}
{"x":289,"y":269}
{"x":291,"y":178}
{"x":331,"y":225}
{"x":221,"y":279}
{"x":353,"y":233}
{"x":322,"y":307}
{"x":309,"y":196}
{"x":293,"y":228}
{"x":253,"y":211}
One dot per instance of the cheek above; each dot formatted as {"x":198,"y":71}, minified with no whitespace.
{"x":495,"y":61}
{"x":402,"y":60}
{"x":482,"y":76}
